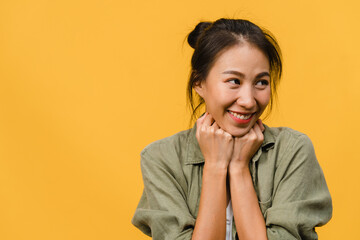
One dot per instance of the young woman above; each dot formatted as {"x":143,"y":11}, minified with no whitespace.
{"x":230,"y":176}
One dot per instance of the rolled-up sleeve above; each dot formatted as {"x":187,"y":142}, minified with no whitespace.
{"x":162,"y":212}
{"x":301,"y":200}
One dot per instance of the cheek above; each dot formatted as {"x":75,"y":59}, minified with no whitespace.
{"x":217,"y":99}
{"x":264,"y":98}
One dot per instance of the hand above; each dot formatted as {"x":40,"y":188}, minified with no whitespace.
{"x":246,"y":146}
{"x":216,"y":145}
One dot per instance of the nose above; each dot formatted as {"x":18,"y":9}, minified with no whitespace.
{"x":246,"y":98}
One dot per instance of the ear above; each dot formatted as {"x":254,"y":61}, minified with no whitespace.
{"x":199,"y":87}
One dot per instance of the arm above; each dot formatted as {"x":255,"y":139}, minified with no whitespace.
{"x":301,"y":200}
{"x":249,"y":220}
{"x":211,"y":219}
{"x":162,"y":212}
{"x":216,"y":146}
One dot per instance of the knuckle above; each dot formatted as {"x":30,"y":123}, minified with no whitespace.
{"x":261,"y":138}
{"x":218,"y":132}
{"x":228,"y":137}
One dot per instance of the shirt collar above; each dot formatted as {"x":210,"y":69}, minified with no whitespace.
{"x":194,"y":155}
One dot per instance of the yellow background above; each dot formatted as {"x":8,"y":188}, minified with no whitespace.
{"x":86,"y":85}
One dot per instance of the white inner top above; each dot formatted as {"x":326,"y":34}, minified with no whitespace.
{"x":229,"y":221}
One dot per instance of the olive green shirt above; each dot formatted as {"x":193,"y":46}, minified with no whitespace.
{"x":290,"y":186}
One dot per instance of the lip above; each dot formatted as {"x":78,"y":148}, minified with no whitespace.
{"x":241,"y":121}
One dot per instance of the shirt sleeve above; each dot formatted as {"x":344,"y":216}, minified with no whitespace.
{"x":301,"y":200}
{"x":162,"y":212}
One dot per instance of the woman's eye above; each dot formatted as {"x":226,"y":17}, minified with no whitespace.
{"x":262,"y":83}
{"x":234,"y":81}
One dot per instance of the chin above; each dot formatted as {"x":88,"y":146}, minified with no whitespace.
{"x":238,"y":132}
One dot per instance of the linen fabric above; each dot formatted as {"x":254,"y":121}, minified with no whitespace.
{"x":290,"y":185}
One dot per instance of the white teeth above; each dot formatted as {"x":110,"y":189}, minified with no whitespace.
{"x":240,"y":116}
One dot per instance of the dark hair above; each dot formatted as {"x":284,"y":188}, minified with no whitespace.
{"x":210,"y":39}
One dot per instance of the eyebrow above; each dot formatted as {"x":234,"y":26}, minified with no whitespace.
{"x":260,"y":75}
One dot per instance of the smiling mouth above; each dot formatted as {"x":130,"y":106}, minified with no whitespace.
{"x":241,"y":116}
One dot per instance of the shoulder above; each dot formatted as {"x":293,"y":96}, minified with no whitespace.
{"x":291,"y":146}
{"x":169,"y":151}
{"x":174,"y":142}
{"x":285,"y":137}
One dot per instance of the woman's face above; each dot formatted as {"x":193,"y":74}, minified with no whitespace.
{"x":237,"y":88}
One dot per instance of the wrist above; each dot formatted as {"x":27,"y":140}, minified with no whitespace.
{"x":215,"y":169}
{"x":239,"y":169}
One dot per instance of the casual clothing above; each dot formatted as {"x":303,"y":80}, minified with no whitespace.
{"x":290,"y":186}
{"x":229,"y":221}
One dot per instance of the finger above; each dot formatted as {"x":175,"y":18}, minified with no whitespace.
{"x":215,"y":126}
{"x":228,"y":136}
{"x":199,"y":124}
{"x":252,"y":132}
{"x":256,"y":127}
{"x":200,"y":121}
{"x":219,"y":131}
{"x":203,"y":115}
{"x":258,"y":132}
{"x":261,"y":125}
{"x":208,"y":120}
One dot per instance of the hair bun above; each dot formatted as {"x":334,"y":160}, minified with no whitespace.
{"x":195,"y":34}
